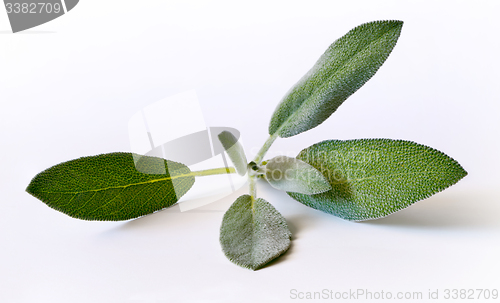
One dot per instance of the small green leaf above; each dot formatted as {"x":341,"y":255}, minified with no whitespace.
{"x":111,"y":187}
{"x":294,"y":175}
{"x":345,"y":66}
{"x":253,"y":233}
{"x":235,"y":151}
{"x":373,"y":178}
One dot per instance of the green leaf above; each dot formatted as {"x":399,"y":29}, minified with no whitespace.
{"x":253,"y":233}
{"x":345,"y":66}
{"x":235,"y":151}
{"x":294,"y":175}
{"x":372,"y":178}
{"x":111,"y":187}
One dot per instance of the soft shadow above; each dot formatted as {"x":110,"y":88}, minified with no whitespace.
{"x":28,"y":32}
{"x":299,"y":223}
{"x":157,"y":218}
{"x":293,"y":225}
{"x":173,"y":216}
{"x":296,"y":225}
{"x":149,"y":224}
{"x":448,"y":210}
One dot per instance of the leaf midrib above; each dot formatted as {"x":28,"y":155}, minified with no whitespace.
{"x":191,"y":174}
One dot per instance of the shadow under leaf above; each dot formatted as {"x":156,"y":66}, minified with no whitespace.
{"x":447,"y":210}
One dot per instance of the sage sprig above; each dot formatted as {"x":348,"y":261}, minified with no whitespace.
{"x":356,"y":180}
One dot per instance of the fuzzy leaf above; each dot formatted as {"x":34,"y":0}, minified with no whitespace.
{"x":253,"y":233}
{"x":110,"y":187}
{"x":345,"y":66}
{"x":372,"y":178}
{"x":235,"y":151}
{"x":294,"y":175}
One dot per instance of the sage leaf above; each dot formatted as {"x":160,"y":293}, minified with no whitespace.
{"x":112,"y":187}
{"x":372,"y":178}
{"x":253,"y":233}
{"x":294,"y":175}
{"x":235,"y":151}
{"x":345,"y":66}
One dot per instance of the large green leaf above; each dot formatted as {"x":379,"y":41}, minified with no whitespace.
{"x":253,"y":233}
{"x":345,"y":66}
{"x":112,"y":187}
{"x":294,"y":175}
{"x":372,"y":178}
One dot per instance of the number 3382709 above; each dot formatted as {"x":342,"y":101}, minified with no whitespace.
{"x":33,"y":8}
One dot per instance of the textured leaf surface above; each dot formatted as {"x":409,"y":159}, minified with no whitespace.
{"x":372,"y":178}
{"x":253,"y":233}
{"x":345,"y":66}
{"x":294,"y":175}
{"x":235,"y":151}
{"x":110,"y":187}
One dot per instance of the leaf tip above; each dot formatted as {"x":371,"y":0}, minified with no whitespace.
{"x":32,"y":186}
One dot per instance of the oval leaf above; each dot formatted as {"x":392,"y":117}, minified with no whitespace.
{"x":372,"y":178}
{"x":111,"y":187}
{"x":294,"y":175}
{"x":235,"y":151}
{"x":253,"y":233}
{"x":345,"y":66}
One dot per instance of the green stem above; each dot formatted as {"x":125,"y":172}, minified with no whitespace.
{"x":214,"y":171}
{"x":262,"y":152}
{"x":252,"y":188}
{"x":258,"y":159}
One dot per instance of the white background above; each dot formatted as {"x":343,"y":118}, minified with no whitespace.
{"x":68,"y":88}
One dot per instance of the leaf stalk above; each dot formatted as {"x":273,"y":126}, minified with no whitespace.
{"x":214,"y":171}
{"x":263,"y":150}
